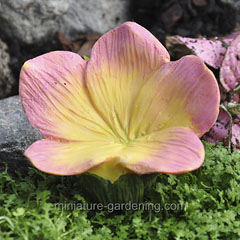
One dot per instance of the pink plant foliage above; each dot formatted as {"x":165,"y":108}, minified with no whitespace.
{"x":228,"y":39}
{"x":223,"y":54}
{"x":235,"y":98}
{"x":219,"y":131}
{"x":230,"y":69}
{"x":217,"y":54}
{"x":211,"y":51}
{"x":235,"y":136}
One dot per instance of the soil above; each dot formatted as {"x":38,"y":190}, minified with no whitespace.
{"x":186,"y":17}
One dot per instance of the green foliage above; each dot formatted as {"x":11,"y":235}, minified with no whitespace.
{"x":204,"y":204}
{"x":86,"y":58}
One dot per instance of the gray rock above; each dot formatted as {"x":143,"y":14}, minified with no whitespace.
{"x":16,"y":134}
{"x":98,"y":16}
{"x":7,"y":80}
{"x":32,"y":21}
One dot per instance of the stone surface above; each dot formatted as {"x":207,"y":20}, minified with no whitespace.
{"x":32,"y":21}
{"x":6,"y":78}
{"x":16,"y":134}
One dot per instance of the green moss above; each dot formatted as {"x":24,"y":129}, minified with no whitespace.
{"x":204,"y":204}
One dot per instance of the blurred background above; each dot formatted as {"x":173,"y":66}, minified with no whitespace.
{"x":29,"y":28}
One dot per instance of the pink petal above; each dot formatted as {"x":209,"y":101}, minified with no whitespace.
{"x":183,"y":93}
{"x":70,"y":158}
{"x":122,"y":61}
{"x":173,"y":150}
{"x":55,"y":99}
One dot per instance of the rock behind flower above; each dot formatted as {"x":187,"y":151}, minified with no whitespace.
{"x":33,"y":21}
{"x":15,"y":134}
{"x":7,"y":81}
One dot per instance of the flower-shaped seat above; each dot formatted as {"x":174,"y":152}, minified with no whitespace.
{"x":127,"y":109}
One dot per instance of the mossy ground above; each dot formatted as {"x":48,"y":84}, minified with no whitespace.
{"x":204,"y":204}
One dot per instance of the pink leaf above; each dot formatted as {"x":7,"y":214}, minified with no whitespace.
{"x":235,"y":98}
{"x":236,"y":136}
{"x":228,"y":39}
{"x":230,"y":70}
{"x":211,"y":51}
{"x":219,"y":131}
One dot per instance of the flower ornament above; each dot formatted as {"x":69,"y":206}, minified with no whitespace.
{"x":126,"y":110}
